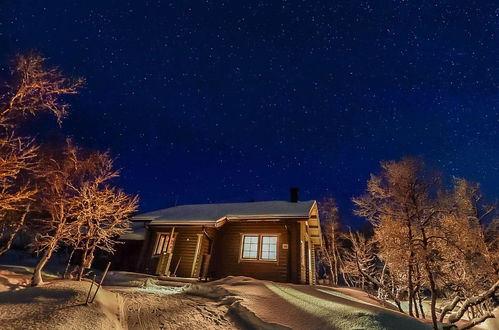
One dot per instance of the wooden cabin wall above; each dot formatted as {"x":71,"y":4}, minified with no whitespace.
{"x":226,"y":259}
{"x":184,"y":249}
{"x":294,"y":251}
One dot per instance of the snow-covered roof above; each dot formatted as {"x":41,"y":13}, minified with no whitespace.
{"x":136,"y":233}
{"x":209,"y":214}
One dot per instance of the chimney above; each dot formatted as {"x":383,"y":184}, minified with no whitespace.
{"x":293,"y":195}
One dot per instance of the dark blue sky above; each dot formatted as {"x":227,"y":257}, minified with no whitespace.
{"x":215,"y":101}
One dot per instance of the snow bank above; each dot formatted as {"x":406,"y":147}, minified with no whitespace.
{"x":141,"y":282}
{"x":129,"y":279}
{"x":59,"y":305}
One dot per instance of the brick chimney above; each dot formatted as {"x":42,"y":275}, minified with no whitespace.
{"x":293,"y":195}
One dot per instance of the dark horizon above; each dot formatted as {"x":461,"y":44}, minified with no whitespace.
{"x":219,"y":102}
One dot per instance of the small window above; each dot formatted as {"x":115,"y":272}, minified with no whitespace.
{"x":259,"y":247}
{"x":250,"y":247}
{"x":162,"y":244}
{"x":269,"y":248}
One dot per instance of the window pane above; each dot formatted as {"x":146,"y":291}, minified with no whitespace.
{"x":160,"y":244}
{"x":250,"y":247}
{"x":269,"y":248}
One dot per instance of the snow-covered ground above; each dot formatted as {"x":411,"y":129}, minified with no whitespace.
{"x":131,"y":301}
{"x":139,"y":301}
{"x":59,"y":305}
{"x":264,"y":304}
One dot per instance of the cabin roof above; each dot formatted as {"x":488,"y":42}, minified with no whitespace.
{"x":209,"y":214}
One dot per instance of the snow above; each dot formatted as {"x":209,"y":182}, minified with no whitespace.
{"x":130,"y":279}
{"x":149,"y":309}
{"x":138,"y":301}
{"x":265,"y":304}
{"x":490,"y":324}
{"x":59,"y":305}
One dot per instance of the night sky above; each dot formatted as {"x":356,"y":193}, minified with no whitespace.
{"x":224,"y":102}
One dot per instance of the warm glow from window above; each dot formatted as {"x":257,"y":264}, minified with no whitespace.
{"x":259,"y":247}
{"x":250,"y":247}
{"x":269,"y":248}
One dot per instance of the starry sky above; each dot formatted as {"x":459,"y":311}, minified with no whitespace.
{"x":214,"y":101}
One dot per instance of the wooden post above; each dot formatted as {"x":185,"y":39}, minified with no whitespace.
{"x":101,"y":280}
{"x":90,"y":290}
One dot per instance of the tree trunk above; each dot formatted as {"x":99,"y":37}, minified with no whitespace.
{"x":472,"y":301}
{"x":415,"y":303}
{"x":37,"y":274}
{"x":330,"y":265}
{"x":376,"y":282}
{"x":13,"y":234}
{"x":421,"y":305}
{"x":334,"y":258}
{"x":68,"y":263}
{"x":431,"y":280}
{"x":83,"y":262}
{"x":410,"y":285}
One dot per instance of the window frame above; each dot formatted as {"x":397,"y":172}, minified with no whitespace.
{"x":259,"y":248}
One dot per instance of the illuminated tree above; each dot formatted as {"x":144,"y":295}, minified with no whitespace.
{"x":468,"y":257}
{"x":83,"y":209}
{"x":34,"y":89}
{"x":361,"y":260}
{"x":430,"y":238}
{"x":398,"y":205}
{"x":59,"y":175}
{"x":101,"y":211}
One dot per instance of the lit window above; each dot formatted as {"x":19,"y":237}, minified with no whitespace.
{"x":162,"y":244}
{"x":269,"y":248}
{"x":250,"y":247}
{"x":259,"y":247}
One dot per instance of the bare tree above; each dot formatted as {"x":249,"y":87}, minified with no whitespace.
{"x":331,"y":232}
{"x":362,"y":261}
{"x":429,"y":237}
{"x":34,"y":89}
{"x":102,"y":211}
{"x":397,"y":203}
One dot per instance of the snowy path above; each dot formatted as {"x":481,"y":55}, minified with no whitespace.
{"x":154,"y":309}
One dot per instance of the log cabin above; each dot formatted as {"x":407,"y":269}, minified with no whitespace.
{"x":270,"y":240}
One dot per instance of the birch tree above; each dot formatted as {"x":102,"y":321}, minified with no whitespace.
{"x":58,"y":177}
{"x":431,"y":238}
{"x":331,"y":231}
{"x":34,"y":89}
{"x":101,"y":210}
